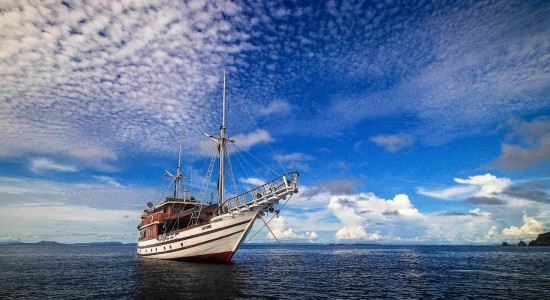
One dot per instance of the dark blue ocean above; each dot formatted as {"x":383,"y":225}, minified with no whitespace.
{"x":310,"y":272}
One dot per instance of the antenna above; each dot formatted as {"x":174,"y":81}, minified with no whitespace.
{"x":177,"y":178}
{"x":179,"y":155}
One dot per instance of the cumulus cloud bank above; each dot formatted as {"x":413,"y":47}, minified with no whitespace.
{"x":353,"y":211}
{"x":531,"y":228}
{"x":283,"y":231}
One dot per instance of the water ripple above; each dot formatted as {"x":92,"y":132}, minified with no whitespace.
{"x":266,"y":272}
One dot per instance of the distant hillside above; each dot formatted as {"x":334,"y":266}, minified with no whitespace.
{"x":100,"y":244}
{"x":10,"y":242}
{"x":48,"y":243}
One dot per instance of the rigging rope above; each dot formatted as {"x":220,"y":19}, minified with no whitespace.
{"x":280,"y":244}
{"x":286,"y":201}
{"x":262,"y":163}
{"x":231,"y":175}
{"x":246,"y":161}
{"x":242,"y":167}
{"x":265,"y":141}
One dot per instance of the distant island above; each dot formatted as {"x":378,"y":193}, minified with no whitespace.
{"x":52,"y":243}
{"x":543,"y":239}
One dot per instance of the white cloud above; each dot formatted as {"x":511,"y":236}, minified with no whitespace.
{"x":18,"y":190}
{"x":491,"y":234}
{"x":477,"y":212}
{"x":95,"y":157}
{"x":447,"y":193}
{"x":67,"y":223}
{"x":92,"y":153}
{"x":247,"y":141}
{"x":130,"y":75}
{"x":394,"y":143}
{"x":36,"y":209}
{"x":365,"y":216}
{"x":39,"y":165}
{"x":295,"y":160}
{"x":354,"y":211}
{"x":252,"y":181}
{"x":451,"y":86}
{"x":310,"y":197}
{"x":486,"y":185}
{"x":108,"y":180}
{"x":116,"y":76}
{"x":356,"y":233}
{"x":46,"y":212}
{"x":283,"y":231}
{"x":291,"y":157}
{"x":275,"y":107}
{"x":531,"y":228}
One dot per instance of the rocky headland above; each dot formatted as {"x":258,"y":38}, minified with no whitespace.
{"x":542,"y":240}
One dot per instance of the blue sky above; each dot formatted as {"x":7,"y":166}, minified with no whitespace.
{"x":410,"y":122}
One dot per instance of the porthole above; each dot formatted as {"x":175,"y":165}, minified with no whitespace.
{"x":164,"y":247}
{"x":156,"y":249}
{"x":170,"y":246}
{"x":182,"y":244}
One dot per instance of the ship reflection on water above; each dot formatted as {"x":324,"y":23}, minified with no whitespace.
{"x":164,"y":279}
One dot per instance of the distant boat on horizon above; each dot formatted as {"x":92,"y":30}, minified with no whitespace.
{"x":189,"y":229}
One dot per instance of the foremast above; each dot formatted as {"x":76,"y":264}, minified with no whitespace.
{"x":178,"y":177}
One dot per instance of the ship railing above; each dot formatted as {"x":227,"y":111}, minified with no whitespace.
{"x":269,"y":193}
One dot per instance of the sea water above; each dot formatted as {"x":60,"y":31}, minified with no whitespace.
{"x":269,"y":272}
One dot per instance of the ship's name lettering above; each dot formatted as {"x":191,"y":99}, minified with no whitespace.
{"x":206,"y":227}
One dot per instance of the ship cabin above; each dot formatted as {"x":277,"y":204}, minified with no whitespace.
{"x":173,"y":215}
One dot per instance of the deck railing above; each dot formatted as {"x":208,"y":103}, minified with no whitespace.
{"x":278,"y":187}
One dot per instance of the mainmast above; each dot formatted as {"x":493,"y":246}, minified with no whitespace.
{"x":178,"y":176}
{"x":221,"y":151}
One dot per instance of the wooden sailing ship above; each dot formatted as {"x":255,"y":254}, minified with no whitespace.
{"x":185,"y":228}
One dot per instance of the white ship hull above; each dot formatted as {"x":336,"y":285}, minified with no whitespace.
{"x":210,"y":242}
